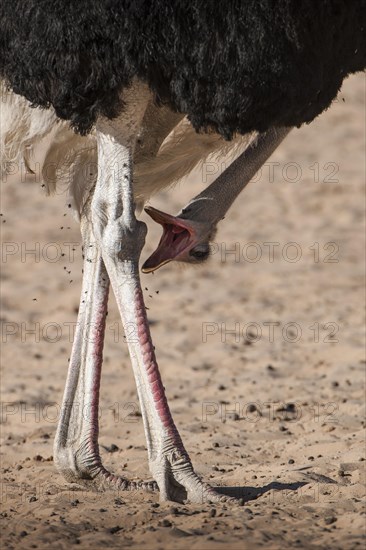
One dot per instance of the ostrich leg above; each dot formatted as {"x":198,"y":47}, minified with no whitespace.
{"x":121,"y":238}
{"x":186,"y":236}
{"x":76,"y":451}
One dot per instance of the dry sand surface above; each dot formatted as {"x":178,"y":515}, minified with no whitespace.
{"x":273,"y":410}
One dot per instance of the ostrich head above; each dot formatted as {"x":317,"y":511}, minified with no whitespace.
{"x":183,"y":239}
{"x":186,"y":237}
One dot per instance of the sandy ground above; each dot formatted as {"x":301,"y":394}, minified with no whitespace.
{"x":261,"y":352}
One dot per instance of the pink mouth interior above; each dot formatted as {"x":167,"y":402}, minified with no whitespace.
{"x":177,"y":236}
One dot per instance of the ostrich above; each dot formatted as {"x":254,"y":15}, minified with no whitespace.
{"x":114,"y":79}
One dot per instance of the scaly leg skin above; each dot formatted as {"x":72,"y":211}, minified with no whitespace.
{"x":76,"y":451}
{"x":121,"y":238}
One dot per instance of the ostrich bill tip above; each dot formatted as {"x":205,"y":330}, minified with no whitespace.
{"x":183,"y":240}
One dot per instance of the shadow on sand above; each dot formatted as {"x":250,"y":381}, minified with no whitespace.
{"x":252,"y":493}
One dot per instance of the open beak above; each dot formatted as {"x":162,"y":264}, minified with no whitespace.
{"x":179,"y":237}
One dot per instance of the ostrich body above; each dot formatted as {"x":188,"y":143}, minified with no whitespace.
{"x":127,"y":76}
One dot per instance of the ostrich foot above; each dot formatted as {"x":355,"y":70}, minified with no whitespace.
{"x":173,"y":471}
{"x":178,"y":481}
{"x":84,"y":467}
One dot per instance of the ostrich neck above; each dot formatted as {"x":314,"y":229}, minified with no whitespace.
{"x":211,"y":205}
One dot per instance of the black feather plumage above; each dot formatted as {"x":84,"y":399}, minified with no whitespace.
{"x":233,"y":65}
